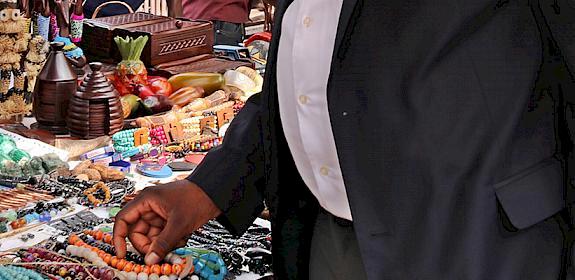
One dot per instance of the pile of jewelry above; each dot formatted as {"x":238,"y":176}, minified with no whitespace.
{"x":56,"y":265}
{"x":10,"y":272}
{"x":251,"y":251}
{"x":78,"y":222}
{"x":40,"y":212}
{"x":96,"y":247}
{"x":90,"y":255}
{"x":88,"y":193}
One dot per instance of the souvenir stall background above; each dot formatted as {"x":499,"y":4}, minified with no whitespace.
{"x":85,"y":126}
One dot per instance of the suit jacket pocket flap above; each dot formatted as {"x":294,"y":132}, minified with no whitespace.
{"x":532,"y":195}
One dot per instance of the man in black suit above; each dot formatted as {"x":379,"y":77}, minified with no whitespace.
{"x":447,"y":120}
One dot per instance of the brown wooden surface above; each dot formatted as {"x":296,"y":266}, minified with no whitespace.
{"x":204,"y":63}
{"x":37,"y":134}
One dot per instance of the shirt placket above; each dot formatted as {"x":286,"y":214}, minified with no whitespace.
{"x":310,"y":102}
{"x":290,"y":115}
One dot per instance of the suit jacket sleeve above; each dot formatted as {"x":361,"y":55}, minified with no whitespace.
{"x":231,"y":174}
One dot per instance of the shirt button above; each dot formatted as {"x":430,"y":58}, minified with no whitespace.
{"x":307,"y":21}
{"x":303,"y":99}
{"x":324,"y":171}
{"x":344,"y":114}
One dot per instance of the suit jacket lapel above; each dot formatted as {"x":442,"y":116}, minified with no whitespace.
{"x":270,"y":119}
{"x":344,"y":20}
{"x":276,"y":32}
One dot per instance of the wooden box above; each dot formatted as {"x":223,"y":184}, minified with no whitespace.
{"x":173,"y":40}
{"x":98,"y":34}
{"x":169,"y":39}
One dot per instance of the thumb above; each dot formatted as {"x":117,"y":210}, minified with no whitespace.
{"x":164,"y":242}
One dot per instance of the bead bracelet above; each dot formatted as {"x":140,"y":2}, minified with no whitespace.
{"x":89,"y":193}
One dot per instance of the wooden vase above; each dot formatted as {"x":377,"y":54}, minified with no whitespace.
{"x":55,"y":84}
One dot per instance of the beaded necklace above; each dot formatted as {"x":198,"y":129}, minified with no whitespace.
{"x":51,"y":263}
{"x":105,"y":246}
{"x":179,"y":267}
{"x":8,"y":272}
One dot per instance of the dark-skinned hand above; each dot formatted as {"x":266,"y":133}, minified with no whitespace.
{"x":161,"y":218}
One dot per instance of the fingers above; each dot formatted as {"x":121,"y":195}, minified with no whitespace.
{"x":128,"y":216}
{"x":166,"y":240}
{"x":142,"y":226}
{"x":138,"y":235}
{"x":142,"y":236}
{"x":154,"y":220}
{"x":119,"y":237}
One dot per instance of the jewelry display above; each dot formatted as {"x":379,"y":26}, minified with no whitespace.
{"x":97,"y":255}
{"x":8,"y":272}
{"x":56,"y":221}
{"x":69,"y":187}
{"x":252,"y":249}
{"x":78,"y":222}
{"x":211,"y":252}
{"x":57,"y":266}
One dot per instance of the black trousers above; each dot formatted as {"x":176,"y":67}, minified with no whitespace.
{"x":334,"y":250}
{"x":228,"y":33}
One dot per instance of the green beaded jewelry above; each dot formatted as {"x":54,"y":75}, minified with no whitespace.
{"x":124,"y":140}
{"x":9,"y":272}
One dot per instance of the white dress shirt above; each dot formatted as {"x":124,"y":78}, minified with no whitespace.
{"x":306,"y":45}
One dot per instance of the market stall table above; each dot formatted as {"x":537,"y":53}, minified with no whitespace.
{"x":40,"y":232}
{"x":59,"y":194}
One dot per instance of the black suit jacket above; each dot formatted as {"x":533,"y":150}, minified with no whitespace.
{"x":444,"y":124}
